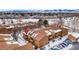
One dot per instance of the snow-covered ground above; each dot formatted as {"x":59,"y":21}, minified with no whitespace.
{"x":21,"y":41}
{"x":52,"y":21}
{"x":30,"y":20}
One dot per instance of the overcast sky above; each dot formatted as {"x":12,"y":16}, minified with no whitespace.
{"x":39,"y":4}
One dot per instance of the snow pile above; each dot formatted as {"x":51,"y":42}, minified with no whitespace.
{"x":57,"y":30}
{"x":11,"y":38}
{"x":5,"y":34}
{"x":21,"y":40}
{"x":12,"y":42}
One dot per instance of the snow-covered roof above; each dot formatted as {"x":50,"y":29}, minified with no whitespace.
{"x":48,"y":33}
{"x":58,"y":30}
{"x":74,"y":34}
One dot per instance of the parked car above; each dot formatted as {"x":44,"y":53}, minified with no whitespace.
{"x":68,"y":41}
{"x":66,"y":44}
{"x":54,"y":48}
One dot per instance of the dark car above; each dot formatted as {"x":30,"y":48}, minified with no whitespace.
{"x":55,"y":48}
{"x":68,"y":41}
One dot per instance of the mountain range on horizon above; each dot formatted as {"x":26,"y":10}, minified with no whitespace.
{"x":43,"y":11}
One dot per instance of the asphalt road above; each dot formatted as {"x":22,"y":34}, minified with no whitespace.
{"x":75,"y":46}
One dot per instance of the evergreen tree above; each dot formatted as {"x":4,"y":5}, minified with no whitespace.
{"x":40,"y":22}
{"x":45,"y":23}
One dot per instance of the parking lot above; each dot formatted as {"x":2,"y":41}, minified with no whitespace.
{"x":75,"y":46}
